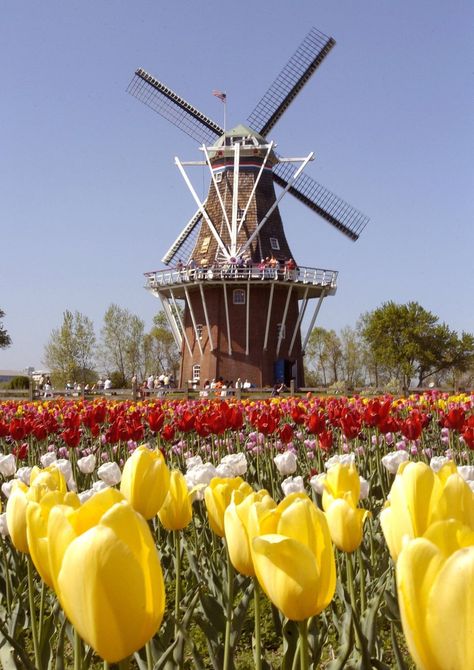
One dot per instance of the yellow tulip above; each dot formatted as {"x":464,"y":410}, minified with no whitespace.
{"x":176,"y":512}
{"x":295,"y":565}
{"x":217,"y":497}
{"x":145,"y":481}
{"x":238,"y":534}
{"x":419,"y":497}
{"x":341,"y":480}
{"x":16,"y":516}
{"x":37,"y":515}
{"x":435,"y":581}
{"x":109,"y":579}
{"x":42,"y":482}
{"x":346,"y":524}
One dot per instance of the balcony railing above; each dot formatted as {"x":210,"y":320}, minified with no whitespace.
{"x":217,"y":273}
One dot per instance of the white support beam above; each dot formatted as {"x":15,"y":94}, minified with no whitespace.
{"x":235,"y":200}
{"x":206,"y":316}
{"x":183,"y":331}
{"x":191,"y":311}
{"x":269,"y":313}
{"x":187,"y":230}
{"x":311,"y":325}
{"x":171,"y":320}
{"x":247,"y":322}
{"x":213,"y":177}
{"x":229,"y":341}
{"x":260,"y":172}
{"x":202,"y":209}
{"x":290,"y":183}
{"x":298,"y":321}
{"x":283,"y":322}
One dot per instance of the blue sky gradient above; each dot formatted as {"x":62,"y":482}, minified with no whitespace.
{"x":90,"y":197}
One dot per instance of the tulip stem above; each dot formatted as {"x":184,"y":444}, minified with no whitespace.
{"x":230,"y":601}
{"x":77,"y":651}
{"x":257,"y":614}
{"x":31,"y":599}
{"x":7,"y":577}
{"x":177,"y":599}
{"x":363,"y":599}
{"x":303,"y":646}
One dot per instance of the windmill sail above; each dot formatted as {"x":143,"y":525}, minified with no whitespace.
{"x":329,"y":206}
{"x":307,"y":58}
{"x":173,"y":107}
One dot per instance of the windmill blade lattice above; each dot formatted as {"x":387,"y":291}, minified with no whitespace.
{"x":172,"y":107}
{"x":185,"y":243}
{"x":329,"y":206}
{"x":307,"y":58}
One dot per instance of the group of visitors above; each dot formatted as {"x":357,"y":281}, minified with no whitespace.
{"x":153,"y":384}
{"x":286,"y":268}
{"x":222,"y":388}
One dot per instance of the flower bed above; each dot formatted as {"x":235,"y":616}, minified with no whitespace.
{"x":278,"y":541}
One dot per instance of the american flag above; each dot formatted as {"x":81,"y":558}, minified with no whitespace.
{"x":220,"y":94}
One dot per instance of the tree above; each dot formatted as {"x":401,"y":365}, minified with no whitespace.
{"x":5,"y":339}
{"x":410,"y":342}
{"x":69,"y":353}
{"x":324,"y":355}
{"x":352,"y":357}
{"x":121,"y":350}
{"x":161,"y":352}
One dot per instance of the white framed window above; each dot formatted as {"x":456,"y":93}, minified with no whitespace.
{"x":281,"y":330}
{"x":218,"y":177}
{"x":275,"y":244}
{"x":238,"y":296}
{"x":199,"y":330}
{"x":196,"y":372}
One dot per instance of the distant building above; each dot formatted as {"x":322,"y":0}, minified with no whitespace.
{"x":8,"y":375}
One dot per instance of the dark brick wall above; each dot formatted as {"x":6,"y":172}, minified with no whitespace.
{"x":258,"y":365}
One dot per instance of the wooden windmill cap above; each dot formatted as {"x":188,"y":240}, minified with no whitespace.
{"x":251,"y":144}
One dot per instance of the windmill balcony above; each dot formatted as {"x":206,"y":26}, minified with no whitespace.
{"x":317,"y":280}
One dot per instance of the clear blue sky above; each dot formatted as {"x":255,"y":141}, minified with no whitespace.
{"x":90,"y":197}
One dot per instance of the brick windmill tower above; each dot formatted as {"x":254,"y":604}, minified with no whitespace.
{"x":232,"y":315}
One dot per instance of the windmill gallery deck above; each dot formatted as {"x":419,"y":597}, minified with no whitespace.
{"x":233,"y":295}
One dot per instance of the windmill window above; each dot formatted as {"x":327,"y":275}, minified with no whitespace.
{"x":196,"y":372}
{"x":275,"y":244}
{"x":238,"y":296}
{"x":218,"y":177}
{"x":240,"y":213}
{"x":199,"y":331}
{"x":281,"y":331}
{"x":205,"y":244}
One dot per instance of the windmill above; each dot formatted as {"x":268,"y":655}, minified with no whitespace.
{"x":242,"y":316}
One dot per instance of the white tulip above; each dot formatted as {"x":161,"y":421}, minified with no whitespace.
{"x":292,"y":485}
{"x":344,"y":459}
{"x":201,"y":474}
{"x":237,"y":463}
{"x":65,"y":467}
{"x":466,"y":472}
{"x":3,"y":525}
{"x":87,"y":464}
{"x":286,"y":463}
{"x":393,"y":460}
{"x":193,"y":462}
{"x":7,"y":488}
{"x":24,"y":474}
{"x":364,"y":488}
{"x":225,"y":471}
{"x":7,"y":465}
{"x":109,"y":473}
{"x":317,"y":483}
{"x":437,"y":462}
{"x":48,"y":458}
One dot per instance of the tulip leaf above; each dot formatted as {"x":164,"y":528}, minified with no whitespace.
{"x":392,"y":605}
{"x":240,"y":613}
{"x":59,"y":660}
{"x":290,"y":644}
{"x":347,"y":642}
{"x":401,"y":665}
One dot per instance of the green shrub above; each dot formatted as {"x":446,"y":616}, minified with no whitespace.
{"x":19,"y":382}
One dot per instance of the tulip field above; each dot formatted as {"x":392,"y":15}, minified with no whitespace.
{"x":290,"y":532}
